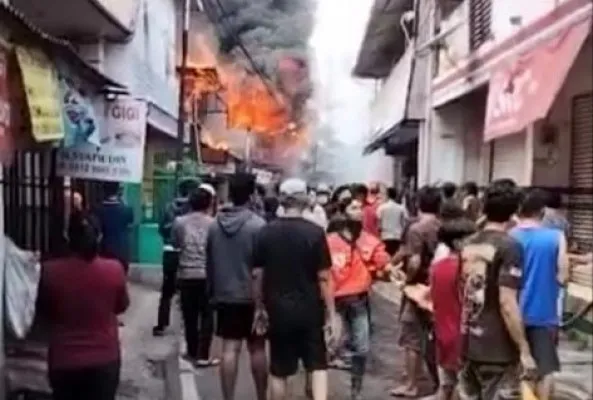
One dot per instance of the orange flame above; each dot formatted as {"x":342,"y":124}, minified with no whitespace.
{"x":251,"y":104}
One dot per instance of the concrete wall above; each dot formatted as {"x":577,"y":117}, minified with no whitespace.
{"x":458,"y":152}
{"x":122,"y":10}
{"x":579,"y":81}
{"x":146,"y":63}
{"x":456,"y":42}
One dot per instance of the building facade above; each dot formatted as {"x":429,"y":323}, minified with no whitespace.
{"x":134,"y":42}
{"x":511,"y":97}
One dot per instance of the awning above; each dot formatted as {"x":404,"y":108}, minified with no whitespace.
{"x":523,"y":90}
{"x":384,"y":41}
{"x":398,"y":136}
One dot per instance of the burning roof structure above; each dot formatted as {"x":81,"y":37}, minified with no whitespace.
{"x":260,"y":104}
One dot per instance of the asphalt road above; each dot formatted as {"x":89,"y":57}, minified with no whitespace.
{"x":385,"y":366}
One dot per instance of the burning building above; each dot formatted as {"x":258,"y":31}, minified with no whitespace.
{"x":251,"y":98}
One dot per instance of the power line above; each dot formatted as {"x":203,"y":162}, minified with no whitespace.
{"x":265,"y":79}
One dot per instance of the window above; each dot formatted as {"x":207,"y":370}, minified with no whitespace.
{"x":480,"y":20}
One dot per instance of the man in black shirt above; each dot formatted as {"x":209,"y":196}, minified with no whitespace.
{"x":294,"y":303}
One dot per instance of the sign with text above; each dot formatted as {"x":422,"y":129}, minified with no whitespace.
{"x":522,"y":90}
{"x":120,"y":156}
{"x":40,"y":80}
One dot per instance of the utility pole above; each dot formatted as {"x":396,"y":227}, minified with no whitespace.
{"x":181,"y":118}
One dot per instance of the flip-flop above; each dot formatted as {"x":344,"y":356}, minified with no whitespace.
{"x":401,"y":392}
{"x":212,"y":362}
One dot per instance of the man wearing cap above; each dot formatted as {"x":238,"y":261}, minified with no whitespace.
{"x":189,"y":235}
{"x":294,"y":303}
{"x":178,"y":207}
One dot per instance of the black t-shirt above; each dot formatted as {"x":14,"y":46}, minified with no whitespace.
{"x":291,"y":252}
{"x":491,"y":259}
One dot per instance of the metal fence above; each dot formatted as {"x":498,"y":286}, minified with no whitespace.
{"x":36,"y":200}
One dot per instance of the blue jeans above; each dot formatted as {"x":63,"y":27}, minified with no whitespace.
{"x":354,"y":312}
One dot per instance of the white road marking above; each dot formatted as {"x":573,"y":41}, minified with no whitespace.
{"x":189,"y":389}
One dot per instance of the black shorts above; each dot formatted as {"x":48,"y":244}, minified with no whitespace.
{"x":234,"y":321}
{"x":391,"y":246}
{"x":543,"y":345}
{"x":287,"y":348}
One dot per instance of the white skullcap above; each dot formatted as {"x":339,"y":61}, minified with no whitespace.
{"x":293,"y":186}
{"x":208,"y":187}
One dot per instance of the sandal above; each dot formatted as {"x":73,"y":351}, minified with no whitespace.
{"x":211,"y":362}
{"x":403,"y":392}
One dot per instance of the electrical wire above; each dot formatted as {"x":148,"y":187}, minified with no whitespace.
{"x":265,"y":79}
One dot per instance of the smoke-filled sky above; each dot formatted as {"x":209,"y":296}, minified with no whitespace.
{"x":268,"y":29}
{"x":342,"y":101}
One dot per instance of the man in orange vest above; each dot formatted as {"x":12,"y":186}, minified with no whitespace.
{"x":357,"y":257}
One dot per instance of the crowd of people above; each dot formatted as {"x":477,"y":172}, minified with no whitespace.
{"x":288,"y":273}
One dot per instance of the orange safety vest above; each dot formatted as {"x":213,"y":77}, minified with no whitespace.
{"x":353,"y":266}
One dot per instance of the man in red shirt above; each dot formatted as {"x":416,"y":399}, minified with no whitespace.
{"x":445,"y":291}
{"x":369,"y":199}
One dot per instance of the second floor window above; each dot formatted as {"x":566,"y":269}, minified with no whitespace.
{"x":480,"y":22}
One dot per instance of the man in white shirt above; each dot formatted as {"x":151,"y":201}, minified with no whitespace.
{"x":393,"y":218}
{"x":314,"y":213}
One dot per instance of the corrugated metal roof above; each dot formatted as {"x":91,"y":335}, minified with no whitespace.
{"x":384,"y":41}
{"x":61,"y":47}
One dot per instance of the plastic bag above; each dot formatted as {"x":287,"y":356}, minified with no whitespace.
{"x":22,"y":273}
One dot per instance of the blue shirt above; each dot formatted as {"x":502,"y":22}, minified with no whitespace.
{"x":540,"y":287}
{"x":115,"y":218}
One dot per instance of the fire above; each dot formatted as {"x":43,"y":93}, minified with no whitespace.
{"x":251,"y":104}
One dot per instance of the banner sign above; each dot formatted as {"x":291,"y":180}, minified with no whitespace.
{"x":6,"y":140}
{"x":78,"y":114}
{"x":120,"y":156}
{"x":40,"y":80}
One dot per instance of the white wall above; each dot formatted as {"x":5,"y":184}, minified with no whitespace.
{"x":122,"y":10}
{"x":446,"y":144}
{"x":527,"y":11}
{"x":146,"y":63}
{"x":579,"y":81}
{"x":456,"y":48}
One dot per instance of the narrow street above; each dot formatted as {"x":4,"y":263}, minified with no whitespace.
{"x":152,"y":370}
{"x":384,"y":368}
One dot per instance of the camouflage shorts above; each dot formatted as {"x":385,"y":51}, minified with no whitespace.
{"x":479,"y":381}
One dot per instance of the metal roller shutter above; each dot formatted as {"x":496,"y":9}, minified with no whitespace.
{"x":508,"y":158}
{"x":581,"y":171}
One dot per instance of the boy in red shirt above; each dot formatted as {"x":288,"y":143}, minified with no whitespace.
{"x":445,"y":291}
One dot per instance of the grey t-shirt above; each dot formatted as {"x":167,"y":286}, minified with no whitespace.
{"x":188,"y":234}
{"x":229,"y":254}
{"x":393,"y":218}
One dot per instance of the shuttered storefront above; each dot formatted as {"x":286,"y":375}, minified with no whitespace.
{"x":581,"y":171}
{"x":508,"y":158}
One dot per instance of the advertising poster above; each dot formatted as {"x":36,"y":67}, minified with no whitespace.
{"x":120,"y":154}
{"x":40,"y":80}
{"x":78,"y":114}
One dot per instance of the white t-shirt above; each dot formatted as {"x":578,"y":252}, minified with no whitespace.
{"x":392,"y":220}
{"x":316,"y":215}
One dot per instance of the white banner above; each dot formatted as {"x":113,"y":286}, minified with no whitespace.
{"x":120,"y":157}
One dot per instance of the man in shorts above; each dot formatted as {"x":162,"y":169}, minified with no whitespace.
{"x":292,"y":291}
{"x":229,"y":258}
{"x":545,"y":270}
{"x":496,"y":353}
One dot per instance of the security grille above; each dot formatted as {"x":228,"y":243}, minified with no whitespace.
{"x":581,"y":172}
{"x":480,"y":22}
